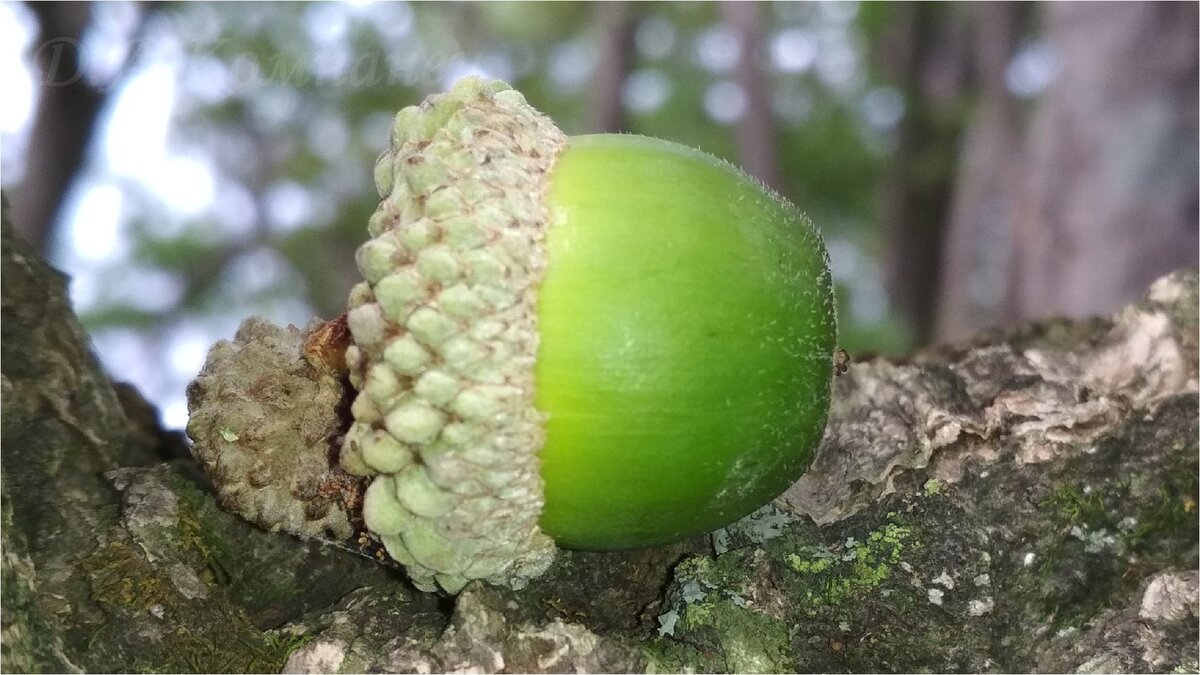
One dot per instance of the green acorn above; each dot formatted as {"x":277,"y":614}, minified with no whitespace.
{"x":606,"y":341}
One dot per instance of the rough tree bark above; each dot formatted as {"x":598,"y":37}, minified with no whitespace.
{"x":1025,"y":502}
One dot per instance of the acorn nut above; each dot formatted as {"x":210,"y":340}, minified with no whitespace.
{"x":604,"y":341}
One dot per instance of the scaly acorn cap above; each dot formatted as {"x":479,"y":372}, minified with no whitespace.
{"x":445,"y":339}
{"x":264,"y":420}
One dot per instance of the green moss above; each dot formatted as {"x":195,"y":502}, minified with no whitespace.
{"x":130,"y":591}
{"x":720,"y":631}
{"x":29,"y":640}
{"x":1138,"y":511}
{"x":1042,"y":548}
{"x":856,"y":570}
{"x":1113,"y":516}
{"x":855,"y":599}
{"x":206,"y":534}
{"x":122,"y":579}
{"x":272,"y":577}
{"x":139,"y":605}
{"x":1076,"y":506}
{"x":242,"y":652}
{"x":199,"y":537}
{"x":1169,"y":508}
{"x":826,"y":583}
{"x":747,"y":641}
{"x":932,"y":487}
{"x":812,"y":560}
{"x":286,"y":643}
{"x":672,"y":656}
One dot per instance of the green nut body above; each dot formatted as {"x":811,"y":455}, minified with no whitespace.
{"x":611,"y":340}
{"x":687,"y":331}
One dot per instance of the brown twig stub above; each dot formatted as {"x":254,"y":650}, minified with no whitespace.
{"x":325,"y":346}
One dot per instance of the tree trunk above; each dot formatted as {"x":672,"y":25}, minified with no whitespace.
{"x":1111,"y":199}
{"x":926,"y":56}
{"x":756,"y":139}
{"x":978,"y":249}
{"x":616,"y":24}
{"x":67,"y":111}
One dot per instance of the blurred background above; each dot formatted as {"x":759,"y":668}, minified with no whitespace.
{"x":189,"y":164}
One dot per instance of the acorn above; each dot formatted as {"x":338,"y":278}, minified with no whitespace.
{"x":604,"y":342}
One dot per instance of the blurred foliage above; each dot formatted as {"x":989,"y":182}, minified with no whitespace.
{"x":290,"y":103}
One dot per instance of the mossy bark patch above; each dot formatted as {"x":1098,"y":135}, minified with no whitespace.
{"x":112,"y":561}
{"x":174,"y":632}
{"x":1007,"y":570}
{"x":866,"y":595}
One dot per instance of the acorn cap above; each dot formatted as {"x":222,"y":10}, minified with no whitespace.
{"x":264,"y":420}
{"x":445,"y":339}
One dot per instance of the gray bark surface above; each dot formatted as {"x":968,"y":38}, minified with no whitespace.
{"x":1026,"y":502}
